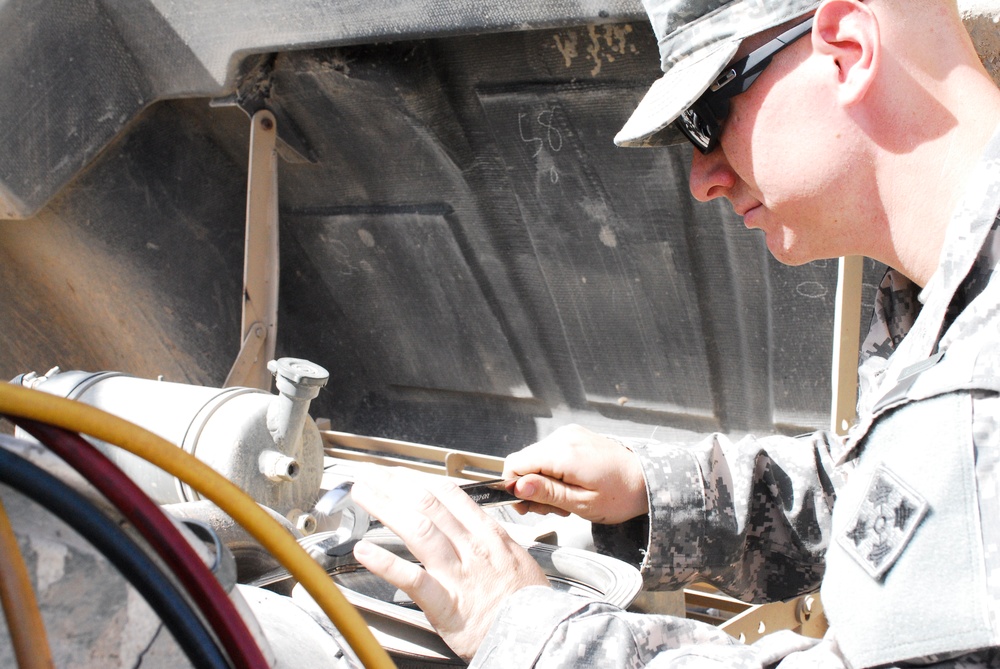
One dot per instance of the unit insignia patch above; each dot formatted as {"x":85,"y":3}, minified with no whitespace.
{"x":889,"y":514}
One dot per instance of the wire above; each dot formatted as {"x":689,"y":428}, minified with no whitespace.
{"x":162,"y":535}
{"x":20,"y":606}
{"x":78,"y":417}
{"x":121,"y":551}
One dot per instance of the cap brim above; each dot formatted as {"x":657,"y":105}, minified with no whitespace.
{"x":675,"y":91}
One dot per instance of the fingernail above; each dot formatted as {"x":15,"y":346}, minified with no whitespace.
{"x":527,"y":490}
{"x":362,"y":549}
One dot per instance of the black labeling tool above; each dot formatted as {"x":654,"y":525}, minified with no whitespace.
{"x":493,"y":492}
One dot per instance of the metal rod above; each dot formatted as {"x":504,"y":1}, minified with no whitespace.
{"x":260,"y":262}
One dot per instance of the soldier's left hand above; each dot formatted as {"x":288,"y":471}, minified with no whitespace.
{"x":470,"y":563}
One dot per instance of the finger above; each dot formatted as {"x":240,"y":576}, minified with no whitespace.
{"x":461,"y":509}
{"x":443,"y":528}
{"x":533,"y":459}
{"x":541,"y":509}
{"x":404,"y":513}
{"x":385,"y":564}
{"x":546,"y":491}
{"x":558,"y":455}
{"x":411,"y":578}
{"x":476,"y":536}
{"x":483,"y":545}
{"x":454,"y":512}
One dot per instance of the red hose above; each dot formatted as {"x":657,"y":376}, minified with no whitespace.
{"x":161,"y":534}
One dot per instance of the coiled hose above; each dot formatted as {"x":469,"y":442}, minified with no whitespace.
{"x":18,"y":402}
{"x":162,"y":535}
{"x":122,"y":551}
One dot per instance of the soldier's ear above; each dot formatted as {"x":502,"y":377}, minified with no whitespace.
{"x":846,"y":32}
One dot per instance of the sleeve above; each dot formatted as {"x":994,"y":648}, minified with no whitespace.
{"x":751,"y":517}
{"x":583,"y":633}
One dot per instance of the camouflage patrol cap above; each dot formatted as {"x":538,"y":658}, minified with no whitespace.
{"x":697,"y":39}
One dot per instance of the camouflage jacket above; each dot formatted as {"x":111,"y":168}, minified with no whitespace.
{"x":756,"y":516}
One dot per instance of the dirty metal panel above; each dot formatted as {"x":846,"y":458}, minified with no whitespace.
{"x":79,"y":71}
{"x":216,"y":31}
{"x":801,"y":299}
{"x":63,"y":97}
{"x":409,"y":292}
{"x":620,"y":298}
{"x":522,"y":271}
{"x":137,"y":268}
{"x":621,"y":281}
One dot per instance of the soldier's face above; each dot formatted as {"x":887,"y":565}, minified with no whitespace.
{"x":782,"y":161}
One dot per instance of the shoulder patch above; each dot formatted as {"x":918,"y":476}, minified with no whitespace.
{"x":884,"y":523}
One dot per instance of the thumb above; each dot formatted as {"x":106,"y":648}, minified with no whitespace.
{"x":543,"y":490}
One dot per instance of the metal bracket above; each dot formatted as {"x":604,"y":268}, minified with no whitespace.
{"x":249,"y":353}
{"x":420,"y":457}
{"x":846,"y":335}
{"x":803,"y":615}
{"x":260,"y":260}
{"x":253,"y":94}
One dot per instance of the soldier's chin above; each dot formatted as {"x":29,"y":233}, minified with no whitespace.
{"x":786,"y":252}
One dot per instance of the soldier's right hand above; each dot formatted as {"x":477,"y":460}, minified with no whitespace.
{"x":574,"y":470}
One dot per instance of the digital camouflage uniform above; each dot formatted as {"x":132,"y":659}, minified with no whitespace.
{"x":909,"y":562}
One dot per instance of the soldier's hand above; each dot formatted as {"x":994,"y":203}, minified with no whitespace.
{"x":469,"y":561}
{"x":574,"y":470}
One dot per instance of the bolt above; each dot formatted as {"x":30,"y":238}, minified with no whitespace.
{"x":804,"y":609}
{"x":306,"y":523}
{"x":278,"y":466}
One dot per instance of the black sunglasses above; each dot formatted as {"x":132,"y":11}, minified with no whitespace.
{"x":702,"y":121}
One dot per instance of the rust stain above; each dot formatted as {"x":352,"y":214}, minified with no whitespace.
{"x":604,"y":43}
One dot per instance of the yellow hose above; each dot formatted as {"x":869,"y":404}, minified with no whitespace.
{"x":24,"y":620}
{"x":76,"y":416}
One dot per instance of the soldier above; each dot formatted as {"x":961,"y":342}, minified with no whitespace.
{"x":837,"y":128}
